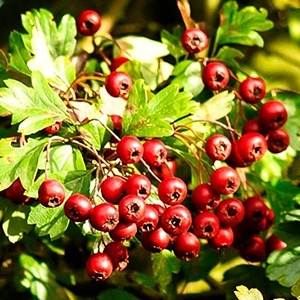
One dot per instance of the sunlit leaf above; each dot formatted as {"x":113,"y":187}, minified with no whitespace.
{"x":243,"y":293}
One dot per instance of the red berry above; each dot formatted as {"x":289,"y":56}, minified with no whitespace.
{"x":225,"y":180}
{"x":252,"y":125}
{"x":99,"y":267}
{"x":117,"y":62}
{"x":218,"y":147}
{"x":206,"y":225}
{"x":150,"y":220}
{"x":215,"y":76}
{"x":223,"y":239}
{"x":255,"y":209}
{"x":156,"y":240}
{"x":186,"y":246}
{"x":113,"y":189}
{"x":77,"y":208}
{"x":165,"y":170}
{"x":278,"y":140}
{"x":176,"y":219}
{"x":88,"y":22}
{"x":118,"y":84}
{"x":230,"y":212}
{"x":273,"y":243}
{"x":104,"y":217}
{"x":51,"y":193}
{"x":15,"y":193}
{"x":252,"y":89}
{"x":272,"y":115}
{"x":172,"y":190}
{"x":53,"y":128}
{"x":118,"y":254}
{"x":132,"y":208}
{"x":130,"y":150}
{"x":194,"y":40}
{"x":204,"y":198}
{"x":253,"y":249}
{"x":124,"y":231}
{"x":138,"y":184}
{"x":155,"y":152}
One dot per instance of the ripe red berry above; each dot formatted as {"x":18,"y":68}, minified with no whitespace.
{"x":252,"y":125}
{"x":230,"y":212}
{"x":104,"y":217}
{"x":130,"y":150}
{"x":150,"y":220}
{"x":51,"y":193}
{"x":138,"y":184}
{"x":278,"y":140}
{"x":204,"y":198}
{"x":118,"y":84}
{"x":172,"y":190}
{"x":124,"y":231}
{"x":176,"y":219}
{"x":272,"y":115}
{"x":53,"y":128}
{"x":88,"y":22}
{"x":223,"y":239}
{"x":253,"y":249}
{"x":255,"y":209}
{"x":215,"y":76}
{"x":251,"y":147}
{"x":252,"y":89}
{"x":218,"y":147}
{"x":77,"y":208}
{"x":118,"y":253}
{"x":167,"y":169}
{"x":132,"y":208}
{"x":99,"y":267}
{"x":156,"y":240}
{"x":273,"y":243}
{"x":225,"y":180}
{"x":206,"y":225}
{"x":113,"y":189}
{"x":15,"y":193}
{"x":194,"y":40}
{"x":117,"y":62}
{"x":155,"y":152}
{"x":186,"y":246}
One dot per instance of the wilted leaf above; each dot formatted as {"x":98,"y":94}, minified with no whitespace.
{"x":243,"y":293}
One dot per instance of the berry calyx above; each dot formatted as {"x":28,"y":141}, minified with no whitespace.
{"x":138,"y":184}
{"x":218,"y":147}
{"x":130,"y":150}
{"x":252,"y":89}
{"x":206,"y":225}
{"x":194,"y":40}
{"x":51,"y":193}
{"x":132,"y":208}
{"x":118,"y":253}
{"x":118,"y":84}
{"x":155,"y":152}
{"x":77,"y":208}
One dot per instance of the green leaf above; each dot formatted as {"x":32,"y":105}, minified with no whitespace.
{"x":215,"y":108}
{"x":284,"y":266}
{"x":38,"y":278}
{"x":242,"y":26}
{"x":296,"y":289}
{"x":243,"y":293}
{"x":164,"y":265}
{"x":288,"y":232}
{"x":230,"y":55}
{"x":116,"y":294}
{"x":14,"y":220}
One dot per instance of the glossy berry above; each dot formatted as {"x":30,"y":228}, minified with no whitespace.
{"x":218,"y":147}
{"x":78,"y":207}
{"x":155,"y":152}
{"x":118,"y":253}
{"x":104,"y":217}
{"x":130,"y":150}
{"x":252,"y":125}
{"x":206,"y":225}
{"x":113,"y":189}
{"x":167,"y":169}
{"x":252,"y":89}
{"x":230,"y":212}
{"x":278,"y":140}
{"x":253,"y":249}
{"x":88,"y":22}
{"x":15,"y":193}
{"x":204,"y":198}
{"x":52,"y":129}
{"x":223,"y":239}
{"x":273,"y":243}
{"x":176,"y":219}
{"x":172,"y":190}
{"x":215,"y":76}
{"x":194,"y":40}
{"x":99,"y":267}
{"x":118,"y":84}
{"x":138,"y":184}
{"x":255,"y":209}
{"x":150,"y":220}
{"x":225,"y":180}
{"x":186,"y":246}
{"x":51,"y":193}
{"x":132,"y":208}
{"x":124,"y":231}
{"x":251,"y":147}
{"x":117,"y":62}
{"x":156,"y":240}
{"x":272,"y":115}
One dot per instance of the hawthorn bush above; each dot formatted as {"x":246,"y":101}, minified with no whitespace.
{"x":133,"y":168}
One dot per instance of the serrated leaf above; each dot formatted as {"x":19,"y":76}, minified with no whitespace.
{"x":242,"y":26}
{"x":164,"y":265}
{"x":284,"y":266}
{"x":215,"y":108}
{"x":230,"y":55}
{"x":243,"y":293}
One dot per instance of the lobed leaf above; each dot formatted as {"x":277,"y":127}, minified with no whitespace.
{"x":243,"y":293}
